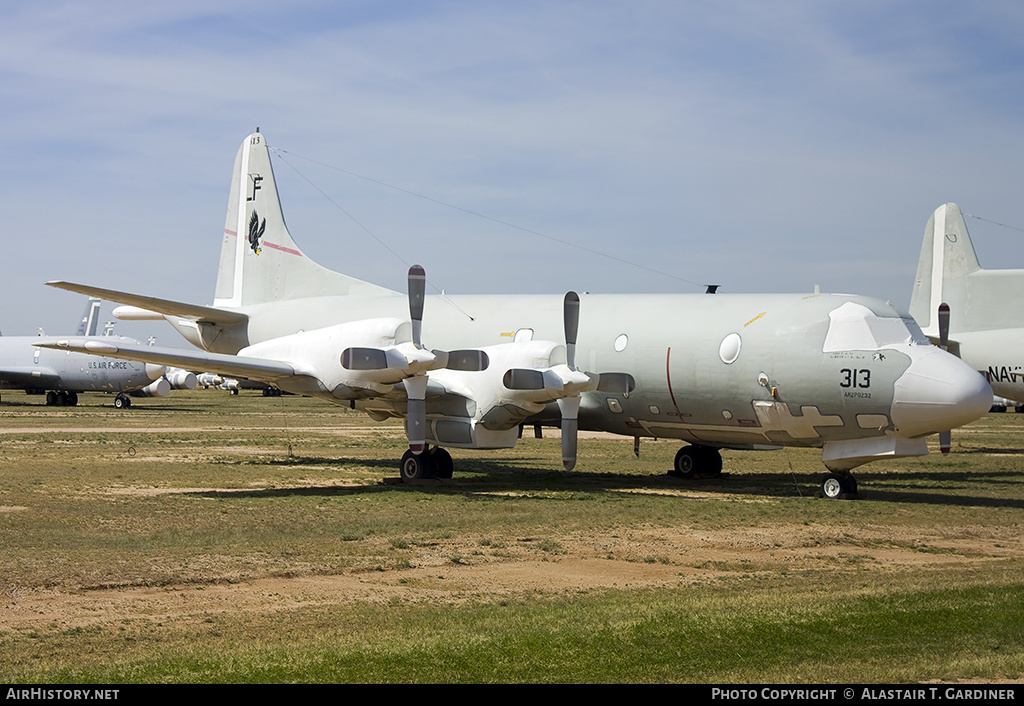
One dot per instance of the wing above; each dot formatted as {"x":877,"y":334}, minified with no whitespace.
{"x":259,"y":369}
{"x":201,"y":314}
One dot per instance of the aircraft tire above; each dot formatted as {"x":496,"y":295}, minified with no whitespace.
{"x":444,"y":467}
{"x":686,"y":461}
{"x":694,"y":460}
{"x":51,"y":398}
{"x":72,"y":399}
{"x":122,"y":402}
{"x":416,"y":467}
{"x":838,"y":486}
{"x":712,"y":461}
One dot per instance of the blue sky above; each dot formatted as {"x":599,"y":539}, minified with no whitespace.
{"x":761,"y":146}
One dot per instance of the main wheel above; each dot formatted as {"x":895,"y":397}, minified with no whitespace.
{"x":703,"y":460}
{"x":444,"y":467}
{"x":687,"y":460}
{"x":836,"y":486}
{"x":416,"y":466}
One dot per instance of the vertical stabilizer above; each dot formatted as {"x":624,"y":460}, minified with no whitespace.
{"x":259,"y":261}
{"x":90,"y":319}
{"x":947,"y":258}
{"x":948,"y":273}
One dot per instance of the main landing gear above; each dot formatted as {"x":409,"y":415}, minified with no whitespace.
{"x":697,"y":462}
{"x":434,"y":462}
{"x":60,"y":398}
{"x":839,"y":485}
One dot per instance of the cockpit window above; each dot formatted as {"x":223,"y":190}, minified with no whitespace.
{"x":855,"y":327}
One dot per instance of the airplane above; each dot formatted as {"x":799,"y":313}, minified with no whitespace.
{"x":848,"y":374}
{"x":969,"y":309}
{"x":62,"y":375}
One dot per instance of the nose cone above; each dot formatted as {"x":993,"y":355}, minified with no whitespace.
{"x":938,"y":392}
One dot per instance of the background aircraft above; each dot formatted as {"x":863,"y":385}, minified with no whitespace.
{"x":971,"y":310}
{"x":850,"y":375}
{"x":62,"y":375}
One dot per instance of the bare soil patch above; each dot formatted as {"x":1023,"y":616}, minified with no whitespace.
{"x":630,"y":559}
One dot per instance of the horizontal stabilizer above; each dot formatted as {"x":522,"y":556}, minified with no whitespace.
{"x":200,"y":314}
{"x":269,"y":371}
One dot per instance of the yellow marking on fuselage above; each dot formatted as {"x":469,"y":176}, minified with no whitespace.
{"x":755,"y":319}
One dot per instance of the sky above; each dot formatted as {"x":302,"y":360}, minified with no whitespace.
{"x":534,"y":146}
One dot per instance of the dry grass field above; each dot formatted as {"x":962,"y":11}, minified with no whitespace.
{"x":206,"y":538}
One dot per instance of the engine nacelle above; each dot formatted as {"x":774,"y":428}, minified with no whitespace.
{"x":157,"y":388}
{"x":499,"y":408}
{"x":317,"y":354}
{"x":181,"y":379}
{"x":209,"y":379}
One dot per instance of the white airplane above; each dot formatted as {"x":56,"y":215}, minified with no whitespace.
{"x":967,"y":309}
{"x":848,"y":374}
{"x":62,"y":375}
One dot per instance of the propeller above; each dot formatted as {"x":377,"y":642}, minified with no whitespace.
{"x":416,"y":386}
{"x":945,"y":437}
{"x":567,"y":385}
{"x":411,"y":362}
{"x":570,"y":406}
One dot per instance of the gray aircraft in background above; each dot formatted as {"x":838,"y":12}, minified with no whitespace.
{"x":850,"y":375}
{"x":969,"y":310}
{"x":63,"y":375}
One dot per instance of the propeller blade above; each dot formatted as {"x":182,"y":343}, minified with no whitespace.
{"x":571,"y":319}
{"x":469,"y":360}
{"x":944,"y":326}
{"x":570,"y":407}
{"x":364,"y":359}
{"x":417,"y":291}
{"x":616,"y":382}
{"x":945,"y":437}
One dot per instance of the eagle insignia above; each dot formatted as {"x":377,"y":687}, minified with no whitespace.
{"x":256,"y":229}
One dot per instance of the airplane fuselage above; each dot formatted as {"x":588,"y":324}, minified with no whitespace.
{"x":849,"y":374}
{"x":997,"y":355}
{"x":737,"y":371}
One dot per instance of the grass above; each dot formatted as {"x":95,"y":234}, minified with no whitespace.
{"x":186,"y":495}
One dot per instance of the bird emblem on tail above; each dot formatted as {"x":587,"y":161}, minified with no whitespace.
{"x":256,"y":229}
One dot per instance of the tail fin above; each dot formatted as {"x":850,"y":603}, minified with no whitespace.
{"x":948,"y":272}
{"x":259,"y":261}
{"x":90,"y":319}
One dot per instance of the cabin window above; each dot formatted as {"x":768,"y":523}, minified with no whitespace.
{"x":729,"y":351}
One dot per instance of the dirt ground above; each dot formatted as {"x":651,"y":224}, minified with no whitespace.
{"x":583,"y":563}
